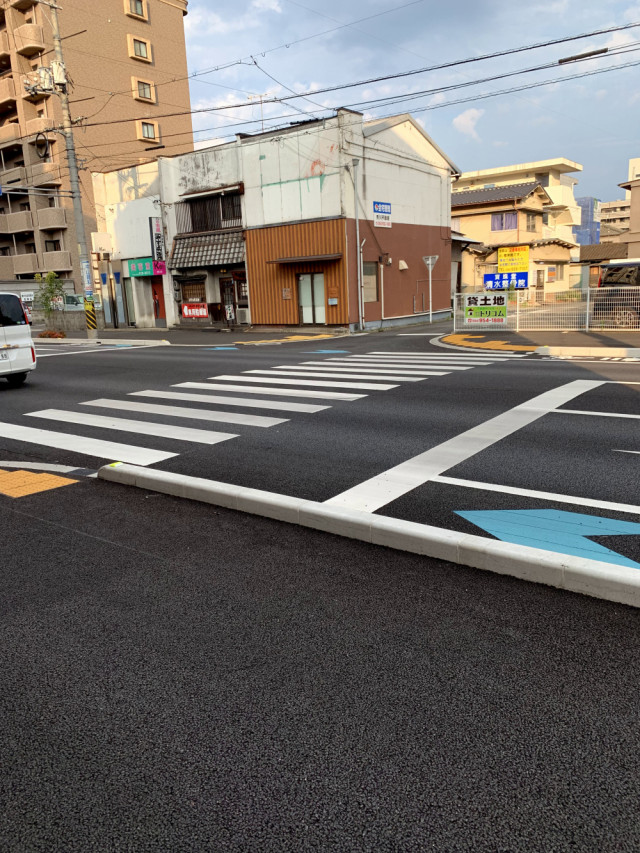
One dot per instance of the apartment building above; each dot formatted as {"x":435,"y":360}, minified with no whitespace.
{"x":616,"y":213}
{"x":562,"y":215}
{"x":321,"y":223}
{"x":126,"y":65}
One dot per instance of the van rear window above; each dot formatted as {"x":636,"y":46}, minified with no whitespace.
{"x":621,"y":275}
{"x":11,"y":313}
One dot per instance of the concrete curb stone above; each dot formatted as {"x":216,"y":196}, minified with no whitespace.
{"x":589,"y":577}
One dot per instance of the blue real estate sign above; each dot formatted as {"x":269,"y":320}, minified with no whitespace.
{"x":505,"y":280}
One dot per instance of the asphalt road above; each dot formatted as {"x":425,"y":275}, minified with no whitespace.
{"x":179,"y":677}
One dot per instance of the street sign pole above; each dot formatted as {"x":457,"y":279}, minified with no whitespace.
{"x":430,"y":262}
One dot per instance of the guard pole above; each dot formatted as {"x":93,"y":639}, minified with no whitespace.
{"x":90,"y":317}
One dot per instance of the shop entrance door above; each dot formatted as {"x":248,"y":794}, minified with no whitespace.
{"x":228,"y":293}
{"x":159,"y":312}
{"x":311,"y":299}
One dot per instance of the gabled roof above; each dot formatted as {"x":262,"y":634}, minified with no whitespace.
{"x":377,"y":125}
{"x":509,"y":192}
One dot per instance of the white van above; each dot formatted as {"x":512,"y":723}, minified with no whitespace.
{"x":17,"y":353}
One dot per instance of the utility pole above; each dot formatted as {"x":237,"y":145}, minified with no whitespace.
{"x":59,"y":77}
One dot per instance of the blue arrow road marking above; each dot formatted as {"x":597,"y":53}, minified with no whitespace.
{"x":556,"y":530}
{"x":307,"y":352}
{"x":219,"y":348}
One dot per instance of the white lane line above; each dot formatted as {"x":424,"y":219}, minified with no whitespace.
{"x":419,"y":334}
{"x":182,"y":412}
{"x":397,"y":481}
{"x":545,"y":496}
{"x":201,"y":436}
{"x":275,"y":392}
{"x":597,"y":414}
{"x":627,"y":451}
{"x":225,"y":400}
{"x":41,"y":354}
{"x":407,"y":362}
{"x":312,"y":373}
{"x":309,"y":382}
{"x":86,"y":446}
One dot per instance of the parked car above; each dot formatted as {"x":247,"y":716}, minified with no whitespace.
{"x":616,"y":302}
{"x":17,"y":353}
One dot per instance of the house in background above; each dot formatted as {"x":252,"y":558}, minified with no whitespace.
{"x":510,"y":215}
{"x":325,"y":222}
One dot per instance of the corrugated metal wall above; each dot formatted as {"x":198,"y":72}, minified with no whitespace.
{"x":270,"y":283}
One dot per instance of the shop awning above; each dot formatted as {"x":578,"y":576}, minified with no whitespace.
{"x":305,"y":258}
{"x":218,"y":249}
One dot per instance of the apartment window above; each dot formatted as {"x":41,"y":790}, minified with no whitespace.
{"x":52,"y":245}
{"x":560,"y":272}
{"x":370,"y":281}
{"x":507,"y":221}
{"x":5,"y":251}
{"x":531,"y":222}
{"x":136,"y":9}
{"x":139,"y":49}
{"x":545,"y":218}
{"x":29,"y":248}
{"x":149,"y":130}
{"x":209,"y":214}
{"x":25,"y":205}
{"x":143,"y":90}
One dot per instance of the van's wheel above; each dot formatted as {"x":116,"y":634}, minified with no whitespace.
{"x":15,"y":380}
{"x":625,"y":318}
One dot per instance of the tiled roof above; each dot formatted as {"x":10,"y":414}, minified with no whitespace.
{"x":603,"y":251}
{"x":510,"y":192}
{"x":207,"y":250}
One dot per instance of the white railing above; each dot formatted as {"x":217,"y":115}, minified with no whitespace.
{"x":595,"y":309}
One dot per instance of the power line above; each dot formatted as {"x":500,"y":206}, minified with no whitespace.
{"x":287,"y":98}
{"x":471,"y":98}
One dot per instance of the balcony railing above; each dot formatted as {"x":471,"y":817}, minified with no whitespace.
{"x":52,"y":218}
{"x":6,"y":267}
{"x":5,"y":54}
{"x":7,"y":93}
{"x":44,"y":174}
{"x":39,"y":125}
{"x":56,"y":261}
{"x":29,"y":39}
{"x":14,"y":223}
{"x":9,"y":133}
{"x":17,"y":175}
{"x":24,"y":264}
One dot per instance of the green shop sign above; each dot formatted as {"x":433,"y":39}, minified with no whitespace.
{"x":141,"y":267}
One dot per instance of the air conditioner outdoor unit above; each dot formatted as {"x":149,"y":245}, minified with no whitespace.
{"x":244,"y":318}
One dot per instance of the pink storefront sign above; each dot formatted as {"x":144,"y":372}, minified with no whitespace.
{"x":159,"y":268}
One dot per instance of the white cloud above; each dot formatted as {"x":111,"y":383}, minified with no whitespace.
{"x":266,"y":5}
{"x":466,"y":122}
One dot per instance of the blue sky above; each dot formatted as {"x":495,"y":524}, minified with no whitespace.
{"x":253,"y":48}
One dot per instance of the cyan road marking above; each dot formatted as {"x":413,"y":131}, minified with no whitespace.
{"x":325,"y":350}
{"x":556,"y":530}
{"x":218,"y":348}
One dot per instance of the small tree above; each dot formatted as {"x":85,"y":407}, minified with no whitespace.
{"x":51,"y":289}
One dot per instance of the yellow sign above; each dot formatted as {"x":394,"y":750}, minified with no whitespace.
{"x":513,"y":259}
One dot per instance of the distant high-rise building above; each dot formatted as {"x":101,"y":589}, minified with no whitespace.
{"x":589,"y":231}
{"x":127,"y":69}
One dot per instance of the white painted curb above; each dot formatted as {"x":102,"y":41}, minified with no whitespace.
{"x":590,"y":577}
{"x":89,"y":342}
{"x":603,"y":352}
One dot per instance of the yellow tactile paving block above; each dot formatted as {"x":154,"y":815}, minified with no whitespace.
{"x":19,"y":484}
{"x":477,"y":342}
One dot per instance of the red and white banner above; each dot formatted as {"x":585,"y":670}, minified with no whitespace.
{"x":195,"y":309}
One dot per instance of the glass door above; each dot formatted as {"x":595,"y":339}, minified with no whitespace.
{"x":311,"y":298}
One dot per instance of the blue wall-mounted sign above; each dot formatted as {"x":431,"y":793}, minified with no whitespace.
{"x":505,"y":280}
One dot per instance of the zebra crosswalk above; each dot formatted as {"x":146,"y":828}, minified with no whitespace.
{"x":164,"y":413}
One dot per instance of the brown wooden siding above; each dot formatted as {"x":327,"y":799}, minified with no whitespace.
{"x":267,"y":280}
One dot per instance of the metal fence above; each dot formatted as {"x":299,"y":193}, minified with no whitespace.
{"x":595,"y":309}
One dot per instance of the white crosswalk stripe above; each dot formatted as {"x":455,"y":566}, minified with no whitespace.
{"x":311,"y":382}
{"x":109,"y":450}
{"x":183,"y":412}
{"x":303,"y":372}
{"x":201,"y":436}
{"x":226,"y":400}
{"x":266,"y":389}
{"x":340,"y":378}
